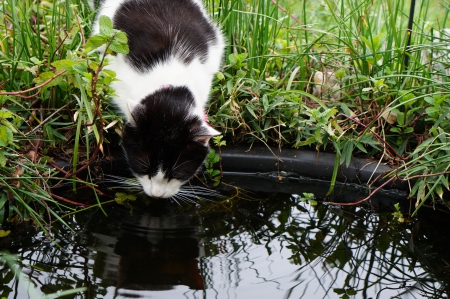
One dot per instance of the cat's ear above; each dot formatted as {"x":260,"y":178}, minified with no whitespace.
{"x":132,"y":105}
{"x":206,"y":134}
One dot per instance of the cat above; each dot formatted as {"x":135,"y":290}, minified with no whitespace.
{"x":163,"y":87}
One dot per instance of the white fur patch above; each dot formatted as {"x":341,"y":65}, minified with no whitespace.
{"x":158,"y":186}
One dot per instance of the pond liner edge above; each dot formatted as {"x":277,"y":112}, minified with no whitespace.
{"x":311,"y":164}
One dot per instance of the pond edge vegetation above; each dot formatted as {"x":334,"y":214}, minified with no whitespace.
{"x":337,"y":78}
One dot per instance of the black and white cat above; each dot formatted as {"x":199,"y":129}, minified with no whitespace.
{"x":163,"y":87}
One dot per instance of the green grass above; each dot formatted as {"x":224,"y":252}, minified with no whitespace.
{"x":268,"y":91}
{"x":54,"y":95}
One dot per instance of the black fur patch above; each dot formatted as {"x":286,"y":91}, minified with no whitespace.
{"x":164,"y":135}
{"x":157,"y":29}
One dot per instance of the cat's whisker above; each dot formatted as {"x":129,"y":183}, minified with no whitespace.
{"x":173,"y":168}
{"x":124,"y":181}
{"x":175,"y":200}
{"x":184,"y":199}
{"x":181,"y":164}
{"x":142,"y":162}
{"x":205,"y":196}
{"x":212,"y":194}
{"x":201,"y":191}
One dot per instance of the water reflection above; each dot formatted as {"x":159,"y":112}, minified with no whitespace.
{"x":256,"y":244}
{"x":155,"y":250}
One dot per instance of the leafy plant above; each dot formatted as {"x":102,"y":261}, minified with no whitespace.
{"x":340,"y":84}
{"x":398,"y":214}
{"x":215,"y":174}
{"x":69,"y":88}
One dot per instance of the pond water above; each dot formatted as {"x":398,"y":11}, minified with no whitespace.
{"x":261,"y":242}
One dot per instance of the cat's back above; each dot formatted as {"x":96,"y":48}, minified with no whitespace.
{"x":172,"y":42}
{"x":159,"y":30}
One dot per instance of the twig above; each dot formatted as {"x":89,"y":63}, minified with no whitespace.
{"x":39,"y":87}
{"x":68,"y":200}
{"x":374,"y":133}
{"x":285,"y":10}
{"x":364,"y":199}
{"x":38,"y":142}
{"x":77,"y":178}
{"x":47,"y":119}
{"x":83,"y":39}
{"x":419,"y":176}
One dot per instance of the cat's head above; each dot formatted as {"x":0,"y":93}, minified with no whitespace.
{"x":165,"y":142}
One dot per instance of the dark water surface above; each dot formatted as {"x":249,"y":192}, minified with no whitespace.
{"x":261,"y":243}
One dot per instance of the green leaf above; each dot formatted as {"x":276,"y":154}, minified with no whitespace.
{"x":340,"y":73}
{"x":108,"y":73}
{"x":95,"y":42}
{"x":233,"y":58}
{"x":308,"y":141}
{"x":2,"y":159}
{"x":249,"y":109}
{"x":80,"y":68}
{"x":3,"y":200}
{"x":409,"y":130}
{"x":339,"y":291}
{"x":265,"y":102}
{"x":405,"y":97}
{"x":35,"y":61}
{"x":4,"y":113}
{"x":220,"y":76}
{"x":105,"y":23}
{"x":121,"y":197}
{"x":4,"y":233}
{"x":241,"y":73}
{"x":8,"y":125}
{"x":401,"y":118}
{"x":64,"y":64}
{"x":360,"y":147}
{"x":51,"y":133}
{"x":43,"y":77}
{"x":6,"y":136}
{"x":121,"y":37}
{"x":119,"y":47}
{"x":347,"y":151}
{"x":215,"y":173}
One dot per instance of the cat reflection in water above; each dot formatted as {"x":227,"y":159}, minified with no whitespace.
{"x":163,"y":88}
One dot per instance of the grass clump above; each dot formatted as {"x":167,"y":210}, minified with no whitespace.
{"x":54,"y":94}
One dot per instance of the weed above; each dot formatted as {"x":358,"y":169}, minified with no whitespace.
{"x":398,"y":215}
